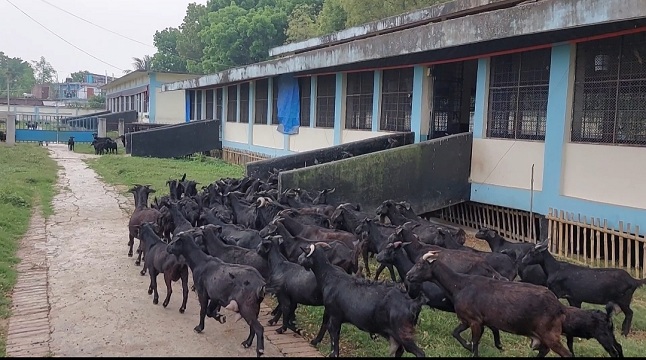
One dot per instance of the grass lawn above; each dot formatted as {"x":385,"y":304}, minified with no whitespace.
{"x":435,"y":327}
{"x":127,"y":170}
{"x":28,"y":176}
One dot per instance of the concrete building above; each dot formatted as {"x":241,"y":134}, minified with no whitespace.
{"x":141,"y":91}
{"x":553,"y":84}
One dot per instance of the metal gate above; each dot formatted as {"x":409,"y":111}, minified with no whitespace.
{"x":54,"y":128}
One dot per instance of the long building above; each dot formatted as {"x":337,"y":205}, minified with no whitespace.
{"x":557,"y":85}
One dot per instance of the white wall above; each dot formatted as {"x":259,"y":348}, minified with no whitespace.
{"x":605,"y":173}
{"x":236,"y":132}
{"x":140,"y":80}
{"x":170,"y":107}
{"x":357,"y":135}
{"x":268,"y":136}
{"x":48,"y":110}
{"x":310,"y":139}
{"x":507,"y":163}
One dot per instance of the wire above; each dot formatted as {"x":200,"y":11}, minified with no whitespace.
{"x":99,"y":26}
{"x":58,"y":36}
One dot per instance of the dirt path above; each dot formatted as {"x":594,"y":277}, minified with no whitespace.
{"x":99,"y":305}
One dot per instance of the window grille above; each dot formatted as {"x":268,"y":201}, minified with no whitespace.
{"x":274,"y":117}
{"x":305,"y":87}
{"x":518,"y":95}
{"x":191,"y":101}
{"x":325,"y":95}
{"x":198,"y":108}
{"x":218,"y":103}
{"x":396,"y":100}
{"x":209,"y":104}
{"x":232,"y":103}
{"x":244,"y":103}
{"x":447,"y":96}
{"x":610,"y":91}
{"x":262,"y":100}
{"x":359,"y":96}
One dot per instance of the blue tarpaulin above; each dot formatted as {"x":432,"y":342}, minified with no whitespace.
{"x":289,"y":105}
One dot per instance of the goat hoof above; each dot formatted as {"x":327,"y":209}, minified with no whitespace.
{"x":181,"y":310}
{"x":137,"y":263}
{"x":280,"y":331}
{"x":499,"y":347}
{"x":150,"y":291}
{"x":129,"y":254}
{"x":155,"y":301}
{"x":245,"y":344}
{"x":142,"y":273}
{"x":314,"y":342}
{"x":271,"y":323}
{"x":299,"y":331}
{"x":198,"y":329}
{"x":165,"y":303}
{"x":373,"y":336}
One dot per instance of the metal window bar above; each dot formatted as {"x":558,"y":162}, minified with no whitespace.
{"x":325,"y":96}
{"x":244,"y":103}
{"x":232,"y":103}
{"x":198,"y":108}
{"x":396,"y":100}
{"x":219,"y":93}
{"x":274,"y":118}
{"x":209,"y":104}
{"x":610,"y":91}
{"x":359,"y":96}
{"x":261,"y":102}
{"x":305,"y":92}
{"x":518,"y":95}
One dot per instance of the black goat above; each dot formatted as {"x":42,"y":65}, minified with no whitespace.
{"x":158,"y":260}
{"x":383,"y":309}
{"x":233,"y":234}
{"x":579,"y":284}
{"x":292,"y":285}
{"x":238,"y":288}
{"x":514,"y":307}
{"x":591,"y":324}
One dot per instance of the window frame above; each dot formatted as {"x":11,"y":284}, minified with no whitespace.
{"x":360,"y":88}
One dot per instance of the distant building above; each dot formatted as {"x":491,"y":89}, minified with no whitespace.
{"x":141,"y":91}
{"x":72,"y":91}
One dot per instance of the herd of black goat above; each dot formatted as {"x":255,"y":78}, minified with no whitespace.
{"x":242,"y":238}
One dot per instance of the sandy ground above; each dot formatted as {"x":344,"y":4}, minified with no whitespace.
{"x":99,"y":302}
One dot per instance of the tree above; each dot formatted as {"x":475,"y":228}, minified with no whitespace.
{"x":79,"y":76}
{"x":167,"y":58}
{"x":332,"y":17}
{"x":143,"y":63}
{"x":301,"y":23}
{"x":19,"y":73}
{"x":44,"y":71}
{"x":363,"y":11}
{"x":189,"y":45}
{"x":96,"y":102}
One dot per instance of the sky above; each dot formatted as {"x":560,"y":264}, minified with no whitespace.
{"x":137,"y":19}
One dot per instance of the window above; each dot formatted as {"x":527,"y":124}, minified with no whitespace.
{"x":610,"y":91}
{"x":262,"y":101}
{"x":325,"y":94}
{"x":359,"y":93}
{"x":396,"y":99}
{"x":274,"y":109}
{"x":518,"y":95}
{"x":244,"y":103}
{"x":209,"y":104}
{"x":198,"y":103}
{"x":232,"y":103}
{"x":191,"y":101}
{"x":305,"y":91}
{"x":218,"y":103}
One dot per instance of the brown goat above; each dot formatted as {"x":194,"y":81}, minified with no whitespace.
{"x":141,"y":214}
{"x":514,"y":307}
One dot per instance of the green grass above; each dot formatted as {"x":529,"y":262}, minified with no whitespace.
{"x":28,"y":177}
{"x":85,"y":148}
{"x":127,"y":170}
{"x":435,"y":327}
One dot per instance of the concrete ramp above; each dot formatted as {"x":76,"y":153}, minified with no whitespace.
{"x":429,"y":175}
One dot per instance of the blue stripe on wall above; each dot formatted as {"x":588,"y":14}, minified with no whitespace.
{"x":188,"y":103}
{"x":481,"y":96}
{"x":338,"y":108}
{"x":152,"y":97}
{"x":376,"y":101}
{"x":416,"y":111}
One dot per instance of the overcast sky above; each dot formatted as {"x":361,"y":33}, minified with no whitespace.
{"x":137,"y":19}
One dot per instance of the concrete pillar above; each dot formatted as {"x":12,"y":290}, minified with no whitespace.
{"x":11,"y":129}
{"x":102,"y":128}
{"x":122,"y":127}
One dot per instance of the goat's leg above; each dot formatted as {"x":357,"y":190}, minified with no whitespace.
{"x":624,"y":304}
{"x":542,"y":351}
{"x":255,"y":328}
{"x":184,"y":278}
{"x":551,"y":338}
{"x":324,"y":326}
{"x":576,"y":304}
{"x":291,"y":318}
{"x":153,"y":281}
{"x":276,"y":313}
{"x":380,"y":268}
{"x":334,"y":329}
{"x":476,"y":334}
{"x":285,"y":304}
{"x":496,"y":337}
{"x":169,"y":288}
{"x":204,"y":302}
{"x":131,"y":242}
{"x":456,"y":334}
{"x":570,"y":343}
{"x":409,"y":345}
{"x":364,"y":254}
{"x":213,"y":311}
{"x":139,"y":252}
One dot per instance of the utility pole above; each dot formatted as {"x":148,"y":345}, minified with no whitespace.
{"x":8,"y":106}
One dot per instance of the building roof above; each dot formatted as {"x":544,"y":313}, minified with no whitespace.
{"x":140,"y":73}
{"x":528,"y":24}
{"x":435,"y":13}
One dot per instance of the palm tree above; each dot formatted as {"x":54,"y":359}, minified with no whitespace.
{"x":144,"y":63}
